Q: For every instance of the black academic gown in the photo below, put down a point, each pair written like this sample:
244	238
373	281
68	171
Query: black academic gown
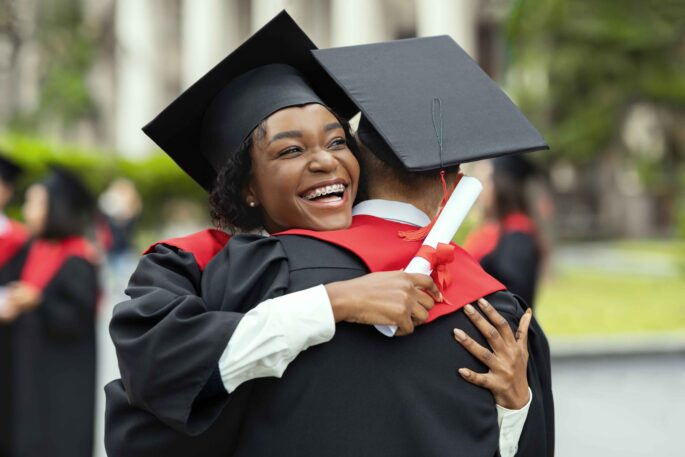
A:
359	394
53	364
515	262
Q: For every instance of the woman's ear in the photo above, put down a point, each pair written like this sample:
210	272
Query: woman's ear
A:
250	195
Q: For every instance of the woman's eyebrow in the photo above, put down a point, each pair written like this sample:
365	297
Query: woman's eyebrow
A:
332	126
286	134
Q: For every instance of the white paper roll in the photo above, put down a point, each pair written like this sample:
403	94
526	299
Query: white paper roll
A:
452	216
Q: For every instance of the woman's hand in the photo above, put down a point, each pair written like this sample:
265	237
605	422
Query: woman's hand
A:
20	297
387	298
508	360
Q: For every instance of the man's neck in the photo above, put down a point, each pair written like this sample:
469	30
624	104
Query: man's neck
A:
422	199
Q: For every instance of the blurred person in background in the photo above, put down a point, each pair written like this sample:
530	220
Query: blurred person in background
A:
120	205
52	291
12	236
508	245
12	233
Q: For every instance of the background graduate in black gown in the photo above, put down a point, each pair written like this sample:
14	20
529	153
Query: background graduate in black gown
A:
52	294
12	236
508	245
216	413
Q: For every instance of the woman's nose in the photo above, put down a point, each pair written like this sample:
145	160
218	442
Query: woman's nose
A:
322	161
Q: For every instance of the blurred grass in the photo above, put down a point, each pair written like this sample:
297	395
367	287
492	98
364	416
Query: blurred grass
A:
585	301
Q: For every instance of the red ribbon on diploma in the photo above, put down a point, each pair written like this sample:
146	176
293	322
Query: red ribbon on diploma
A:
438	258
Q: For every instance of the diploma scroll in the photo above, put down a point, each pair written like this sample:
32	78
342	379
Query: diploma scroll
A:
457	207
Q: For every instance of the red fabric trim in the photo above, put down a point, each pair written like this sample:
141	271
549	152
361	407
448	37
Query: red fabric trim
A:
485	239
12	240
377	243
518	222
45	258
204	245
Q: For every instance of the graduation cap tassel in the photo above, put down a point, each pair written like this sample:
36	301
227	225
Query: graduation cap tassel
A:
421	233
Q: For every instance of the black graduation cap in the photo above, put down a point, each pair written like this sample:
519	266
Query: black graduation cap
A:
65	185
428	103
272	70
515	166
9	170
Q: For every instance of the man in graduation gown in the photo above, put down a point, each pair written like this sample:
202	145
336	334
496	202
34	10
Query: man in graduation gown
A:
358	394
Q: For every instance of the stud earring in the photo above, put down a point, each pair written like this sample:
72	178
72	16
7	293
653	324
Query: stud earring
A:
252	204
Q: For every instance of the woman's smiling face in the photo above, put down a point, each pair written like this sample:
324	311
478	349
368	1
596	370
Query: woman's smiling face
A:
304	175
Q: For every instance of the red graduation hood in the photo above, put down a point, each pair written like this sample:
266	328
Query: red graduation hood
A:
45	258
377	243
204	245
11	241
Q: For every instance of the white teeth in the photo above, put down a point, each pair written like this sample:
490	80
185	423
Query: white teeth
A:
325	190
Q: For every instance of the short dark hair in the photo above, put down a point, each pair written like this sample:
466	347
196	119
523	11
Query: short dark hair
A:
376	165
228	207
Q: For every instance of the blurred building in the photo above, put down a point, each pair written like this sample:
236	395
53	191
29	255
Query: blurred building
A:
148	51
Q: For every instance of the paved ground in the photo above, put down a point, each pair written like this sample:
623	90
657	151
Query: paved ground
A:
620	405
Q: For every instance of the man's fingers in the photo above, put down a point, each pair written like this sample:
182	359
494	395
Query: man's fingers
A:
478	379
524	324
478	351
426	283
497	320
489	332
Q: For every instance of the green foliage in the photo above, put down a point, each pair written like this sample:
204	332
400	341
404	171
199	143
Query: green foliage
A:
577	64
157	178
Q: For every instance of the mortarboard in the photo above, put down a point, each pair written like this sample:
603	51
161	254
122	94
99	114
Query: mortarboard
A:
425	101
272	70
68	187
9	170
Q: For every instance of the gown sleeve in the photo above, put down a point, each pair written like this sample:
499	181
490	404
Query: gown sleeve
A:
134	432
70	301
537	437
170	334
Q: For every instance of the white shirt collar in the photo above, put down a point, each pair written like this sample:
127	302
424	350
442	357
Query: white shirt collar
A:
395	211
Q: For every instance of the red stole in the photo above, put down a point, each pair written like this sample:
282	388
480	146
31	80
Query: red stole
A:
484	240
45	258
376	242
11	241
204	245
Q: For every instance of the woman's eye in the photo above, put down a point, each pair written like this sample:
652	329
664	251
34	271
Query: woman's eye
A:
289	151
337	143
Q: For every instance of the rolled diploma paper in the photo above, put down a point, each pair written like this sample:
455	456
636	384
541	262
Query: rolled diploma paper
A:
457	207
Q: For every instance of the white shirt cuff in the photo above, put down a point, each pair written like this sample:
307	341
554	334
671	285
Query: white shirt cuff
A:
273	333
511	422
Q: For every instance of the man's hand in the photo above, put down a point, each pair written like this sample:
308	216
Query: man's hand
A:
508	359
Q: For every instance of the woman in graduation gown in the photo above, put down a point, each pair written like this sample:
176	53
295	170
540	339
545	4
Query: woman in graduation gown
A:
52	291
508	245
169	369
12	236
